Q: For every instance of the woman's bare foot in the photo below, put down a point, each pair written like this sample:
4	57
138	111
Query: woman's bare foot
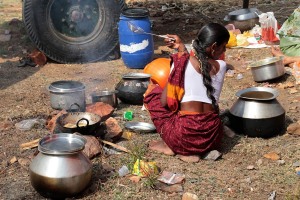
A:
276	51
161	147
191	159
287	60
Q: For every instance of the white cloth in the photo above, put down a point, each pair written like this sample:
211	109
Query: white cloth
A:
194	89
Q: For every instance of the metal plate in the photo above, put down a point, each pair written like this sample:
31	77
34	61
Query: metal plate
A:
63	143
141	127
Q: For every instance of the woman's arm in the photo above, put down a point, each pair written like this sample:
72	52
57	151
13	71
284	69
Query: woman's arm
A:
163	98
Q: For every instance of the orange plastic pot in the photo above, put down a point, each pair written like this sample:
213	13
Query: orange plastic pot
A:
159	69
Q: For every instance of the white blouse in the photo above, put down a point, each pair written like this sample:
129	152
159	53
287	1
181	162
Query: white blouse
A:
194	89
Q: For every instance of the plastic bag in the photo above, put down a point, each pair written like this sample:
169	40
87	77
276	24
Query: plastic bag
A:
269	27
144	169
28	124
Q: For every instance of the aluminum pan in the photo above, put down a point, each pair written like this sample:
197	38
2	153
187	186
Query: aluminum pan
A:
142	127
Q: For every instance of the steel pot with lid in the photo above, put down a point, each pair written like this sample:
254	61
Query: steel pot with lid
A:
64	94
60	169
243	19
267	69
257	113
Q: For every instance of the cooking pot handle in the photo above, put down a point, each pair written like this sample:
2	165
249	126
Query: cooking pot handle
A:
83	119
75	110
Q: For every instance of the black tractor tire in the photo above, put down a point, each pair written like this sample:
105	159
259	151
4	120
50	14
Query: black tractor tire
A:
74	31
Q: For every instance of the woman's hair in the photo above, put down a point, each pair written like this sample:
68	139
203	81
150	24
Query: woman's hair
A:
207	36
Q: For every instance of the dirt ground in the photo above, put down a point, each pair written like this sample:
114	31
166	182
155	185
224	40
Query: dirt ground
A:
242	173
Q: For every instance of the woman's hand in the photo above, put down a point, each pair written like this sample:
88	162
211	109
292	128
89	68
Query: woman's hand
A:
174	42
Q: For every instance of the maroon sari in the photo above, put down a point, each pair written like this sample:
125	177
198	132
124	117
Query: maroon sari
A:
185	133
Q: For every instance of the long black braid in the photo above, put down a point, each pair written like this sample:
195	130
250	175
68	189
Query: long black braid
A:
209	34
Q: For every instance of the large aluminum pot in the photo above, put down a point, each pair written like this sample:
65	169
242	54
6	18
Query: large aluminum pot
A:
65	94
267	69
257	113
60	169
244	19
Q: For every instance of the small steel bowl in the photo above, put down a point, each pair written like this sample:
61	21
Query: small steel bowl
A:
106	96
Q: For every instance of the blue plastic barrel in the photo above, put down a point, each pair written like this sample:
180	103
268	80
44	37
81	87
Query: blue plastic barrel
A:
136	48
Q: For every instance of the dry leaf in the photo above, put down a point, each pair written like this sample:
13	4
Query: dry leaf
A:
189	196
289	85
293	91
13	160
135	179
272	156
294	129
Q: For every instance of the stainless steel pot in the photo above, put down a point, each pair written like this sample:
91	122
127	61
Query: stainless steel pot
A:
106	96
267	69
257	113
60	169
64	94
243	19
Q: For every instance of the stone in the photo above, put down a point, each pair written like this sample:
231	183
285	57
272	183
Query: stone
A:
168	188
104	110
5	37
51	124
113	129
213	155
92	147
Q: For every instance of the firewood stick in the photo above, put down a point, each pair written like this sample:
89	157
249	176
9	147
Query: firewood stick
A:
116	146
30	145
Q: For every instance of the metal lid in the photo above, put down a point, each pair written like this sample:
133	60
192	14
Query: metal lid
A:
136	76
267	61
242	14
258	93
62	143
66	86
136	12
